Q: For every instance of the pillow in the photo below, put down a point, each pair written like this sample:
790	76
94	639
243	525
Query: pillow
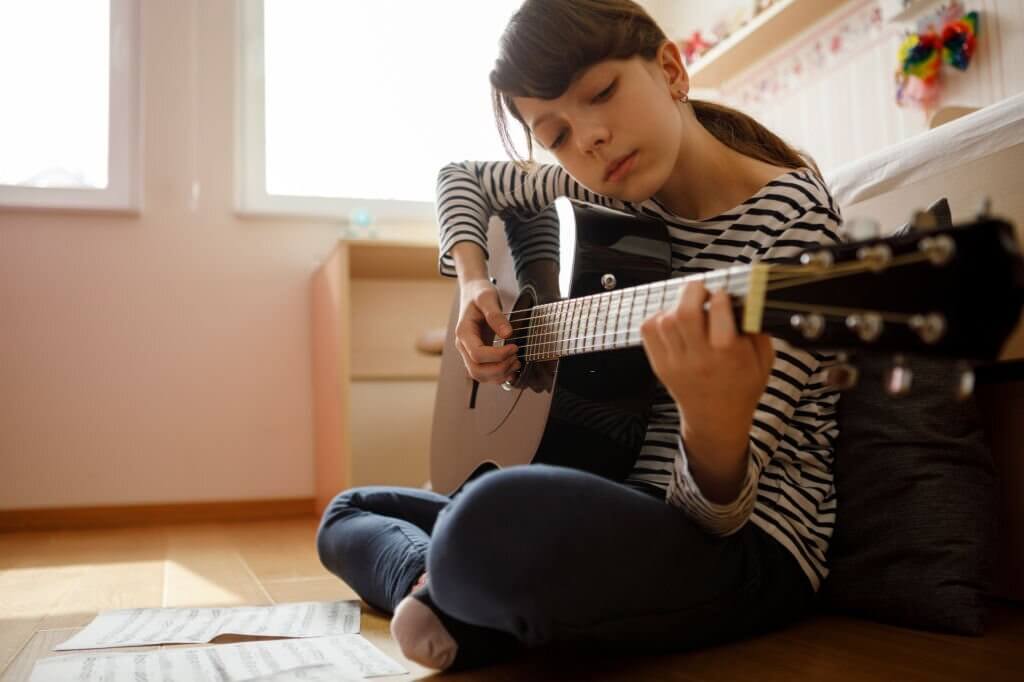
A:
917	501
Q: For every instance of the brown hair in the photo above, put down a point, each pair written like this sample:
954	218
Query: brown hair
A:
549	43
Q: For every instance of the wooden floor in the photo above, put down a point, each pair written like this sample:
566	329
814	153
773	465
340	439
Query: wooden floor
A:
54	583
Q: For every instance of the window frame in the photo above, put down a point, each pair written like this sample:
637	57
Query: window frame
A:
124	163
251	197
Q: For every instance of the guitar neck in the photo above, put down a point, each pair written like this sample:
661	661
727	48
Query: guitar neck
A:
611	320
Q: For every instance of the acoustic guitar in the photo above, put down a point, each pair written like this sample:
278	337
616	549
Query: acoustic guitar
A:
583	394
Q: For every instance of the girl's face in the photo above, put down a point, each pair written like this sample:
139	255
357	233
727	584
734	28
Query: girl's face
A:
616	110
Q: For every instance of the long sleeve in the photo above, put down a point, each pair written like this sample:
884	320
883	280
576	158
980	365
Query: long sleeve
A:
795	416
469	193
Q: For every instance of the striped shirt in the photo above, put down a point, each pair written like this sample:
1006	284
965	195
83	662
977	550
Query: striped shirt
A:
788	490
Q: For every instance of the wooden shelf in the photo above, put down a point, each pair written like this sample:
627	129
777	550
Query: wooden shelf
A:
763	34
385	259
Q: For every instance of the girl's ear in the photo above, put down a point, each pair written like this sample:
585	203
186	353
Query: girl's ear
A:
670	59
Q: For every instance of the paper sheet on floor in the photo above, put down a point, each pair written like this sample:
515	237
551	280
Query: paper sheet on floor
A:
352	657
327	672
140	627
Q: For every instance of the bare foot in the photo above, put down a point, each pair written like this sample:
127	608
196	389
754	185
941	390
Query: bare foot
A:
419	583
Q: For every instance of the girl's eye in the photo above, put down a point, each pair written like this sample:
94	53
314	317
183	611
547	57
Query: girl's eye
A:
604	93
601	96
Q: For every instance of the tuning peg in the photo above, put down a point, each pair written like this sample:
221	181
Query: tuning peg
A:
861	229
876	256
965	385
899	377
929	327
841	375
939	249
810	325
867	326
819	257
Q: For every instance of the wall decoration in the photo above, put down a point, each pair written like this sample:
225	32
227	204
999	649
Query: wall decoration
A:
947	36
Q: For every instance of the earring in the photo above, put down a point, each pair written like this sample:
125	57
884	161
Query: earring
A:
683	97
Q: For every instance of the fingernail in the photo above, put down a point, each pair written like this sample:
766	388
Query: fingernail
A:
506	329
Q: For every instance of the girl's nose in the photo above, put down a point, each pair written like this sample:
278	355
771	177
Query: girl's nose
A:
593	138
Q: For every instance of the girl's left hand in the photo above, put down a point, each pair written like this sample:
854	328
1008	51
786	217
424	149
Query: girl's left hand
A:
715	374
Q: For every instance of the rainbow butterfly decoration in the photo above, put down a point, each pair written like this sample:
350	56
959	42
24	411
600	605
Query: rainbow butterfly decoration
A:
921	56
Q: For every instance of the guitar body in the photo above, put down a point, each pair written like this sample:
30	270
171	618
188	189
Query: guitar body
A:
587	411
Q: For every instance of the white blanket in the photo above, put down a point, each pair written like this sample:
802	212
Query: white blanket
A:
986	131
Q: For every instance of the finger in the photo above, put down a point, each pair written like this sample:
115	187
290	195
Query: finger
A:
687	330
483	353
496	373
490	306
721	325
690	318
765	352
474	347
653	343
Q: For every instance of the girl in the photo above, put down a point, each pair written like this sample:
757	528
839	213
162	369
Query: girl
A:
722	528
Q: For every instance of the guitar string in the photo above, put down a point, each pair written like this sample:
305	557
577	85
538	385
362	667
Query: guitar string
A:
785	276
596	342
647	310
850	268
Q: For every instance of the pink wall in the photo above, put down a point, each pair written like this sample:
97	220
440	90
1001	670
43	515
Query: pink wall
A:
163	357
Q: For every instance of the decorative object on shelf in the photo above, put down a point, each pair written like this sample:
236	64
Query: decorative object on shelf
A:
693	47
947	36
728	24
361	224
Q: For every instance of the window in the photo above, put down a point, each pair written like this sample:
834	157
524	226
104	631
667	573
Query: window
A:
68	126
355	106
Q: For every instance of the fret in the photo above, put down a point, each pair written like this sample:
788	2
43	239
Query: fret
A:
591	322
607	338
616	300
563	329
574	321
553	330
584	334
529	348
549	337
605	317
599	324
556	312
542	329
650	307
577	320
629	313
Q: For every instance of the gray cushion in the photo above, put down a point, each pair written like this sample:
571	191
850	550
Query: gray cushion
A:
915	534
917	503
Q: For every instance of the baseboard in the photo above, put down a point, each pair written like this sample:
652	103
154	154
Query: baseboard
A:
152	514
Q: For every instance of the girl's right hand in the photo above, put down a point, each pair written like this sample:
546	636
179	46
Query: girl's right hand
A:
480	318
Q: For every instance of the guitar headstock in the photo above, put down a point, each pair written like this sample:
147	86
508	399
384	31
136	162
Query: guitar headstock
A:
955	291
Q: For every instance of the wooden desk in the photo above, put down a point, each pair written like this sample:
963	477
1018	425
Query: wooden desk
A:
373	391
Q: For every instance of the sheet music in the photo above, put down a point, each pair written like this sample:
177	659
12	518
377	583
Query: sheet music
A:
352	657
140	627
328	672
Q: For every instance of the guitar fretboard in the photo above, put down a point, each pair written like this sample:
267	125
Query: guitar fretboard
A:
608	320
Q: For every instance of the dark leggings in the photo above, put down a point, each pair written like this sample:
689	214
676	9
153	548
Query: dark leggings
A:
550	554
